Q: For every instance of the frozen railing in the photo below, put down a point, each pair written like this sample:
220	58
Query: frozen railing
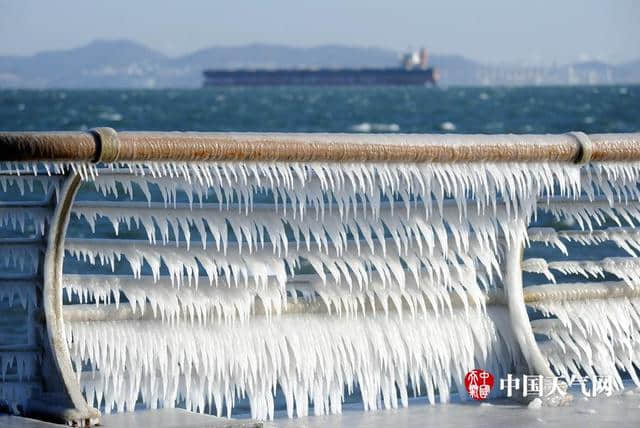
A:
201	270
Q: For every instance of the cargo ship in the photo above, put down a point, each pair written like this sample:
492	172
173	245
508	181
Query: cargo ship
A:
413	70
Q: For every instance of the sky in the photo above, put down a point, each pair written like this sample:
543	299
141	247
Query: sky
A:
491	31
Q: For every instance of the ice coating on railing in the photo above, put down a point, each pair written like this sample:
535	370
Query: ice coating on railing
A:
625	268
21	257
403	255
592	214
22	363
351	269
31	184
230	269
17	394
264	225
311	358
18	218
18	370
547	235
627	238
350	184
595	338
392	240
205	305
18	290
169	303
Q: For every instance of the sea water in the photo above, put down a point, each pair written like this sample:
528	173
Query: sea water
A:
329	109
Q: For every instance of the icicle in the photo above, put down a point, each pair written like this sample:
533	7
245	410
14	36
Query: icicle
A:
318	351
203	305
594	338
404	257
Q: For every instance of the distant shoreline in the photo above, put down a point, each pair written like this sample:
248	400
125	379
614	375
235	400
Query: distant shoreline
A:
126	64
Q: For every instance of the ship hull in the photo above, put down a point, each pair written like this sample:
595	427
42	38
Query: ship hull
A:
338	77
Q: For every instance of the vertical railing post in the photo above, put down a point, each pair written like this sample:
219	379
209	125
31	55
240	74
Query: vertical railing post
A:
67	403
553	392
513	288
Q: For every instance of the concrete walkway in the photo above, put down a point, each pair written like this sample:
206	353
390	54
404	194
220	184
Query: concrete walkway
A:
162	418
620	410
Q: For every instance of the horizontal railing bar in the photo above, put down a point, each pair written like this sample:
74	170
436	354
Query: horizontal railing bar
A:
255	206
545	325
191	146
579	291
108	243
125	312
18	276
543	203
14	243
29	173
25	204
22	240
601	234
532	295
33	382
298	279
19	348
24	282
40	244
136	209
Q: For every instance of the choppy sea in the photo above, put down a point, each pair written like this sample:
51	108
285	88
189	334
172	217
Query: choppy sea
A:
329	109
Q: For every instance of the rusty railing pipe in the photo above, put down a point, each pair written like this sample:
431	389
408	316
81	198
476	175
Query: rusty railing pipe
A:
104	144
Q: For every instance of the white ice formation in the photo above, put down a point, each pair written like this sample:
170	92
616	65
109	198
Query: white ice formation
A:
595	338
317	280
311	358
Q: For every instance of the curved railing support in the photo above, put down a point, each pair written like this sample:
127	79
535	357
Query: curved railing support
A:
514	293
72	407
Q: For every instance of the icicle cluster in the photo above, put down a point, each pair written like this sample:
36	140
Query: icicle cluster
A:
22	363
311	358
594	329
594	338
20	290
172	304
18	218
625	268
23	257
403	257
351	184
17	394
44	184
26	195
386	242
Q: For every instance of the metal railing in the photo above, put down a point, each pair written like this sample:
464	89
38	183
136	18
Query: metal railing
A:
299	238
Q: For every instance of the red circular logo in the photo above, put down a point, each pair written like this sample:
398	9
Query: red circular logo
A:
478	383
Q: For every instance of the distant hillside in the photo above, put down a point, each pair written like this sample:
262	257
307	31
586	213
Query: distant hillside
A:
127	64
260	55
100	63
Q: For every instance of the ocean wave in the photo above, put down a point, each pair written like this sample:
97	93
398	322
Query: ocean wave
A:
114	117
375	127
447	126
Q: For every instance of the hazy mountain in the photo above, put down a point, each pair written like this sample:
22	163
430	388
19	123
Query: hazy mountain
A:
261	55
123	63
100	63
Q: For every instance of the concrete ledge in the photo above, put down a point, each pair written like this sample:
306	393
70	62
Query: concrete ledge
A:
172	418
9	421
161	418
